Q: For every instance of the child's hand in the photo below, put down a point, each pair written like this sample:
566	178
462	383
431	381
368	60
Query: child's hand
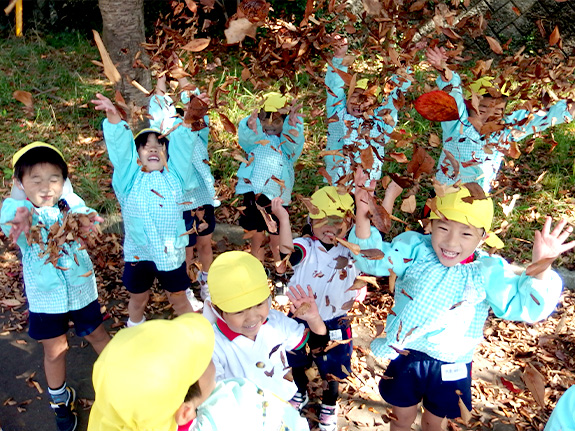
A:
362	194
294	116
437	58
253	121
20	223
548	245
94	219
102	103
204	98
339	44
303	304
278	209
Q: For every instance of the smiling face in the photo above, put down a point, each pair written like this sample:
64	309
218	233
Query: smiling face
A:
354	106
150	153
43	184
453	241
328	229
249	321
272	123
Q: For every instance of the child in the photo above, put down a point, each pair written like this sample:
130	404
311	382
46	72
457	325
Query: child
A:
150	196
252	340
199	208
327	266
349	131
562	418
58	291
273	140
479	156
444	289
158	376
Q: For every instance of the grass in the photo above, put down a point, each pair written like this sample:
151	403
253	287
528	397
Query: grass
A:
63	117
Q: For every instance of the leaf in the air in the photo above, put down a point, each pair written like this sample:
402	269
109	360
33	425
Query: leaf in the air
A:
437	106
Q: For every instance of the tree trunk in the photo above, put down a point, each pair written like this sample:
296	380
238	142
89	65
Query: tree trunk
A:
123	24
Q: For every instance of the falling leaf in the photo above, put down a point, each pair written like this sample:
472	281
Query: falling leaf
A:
270	222
421	162
87	274
392	279
274	349
555	36
494	45
196	45
372	254
24	97
269	373
109	68
465	413
437	106
341	262
354	248
228	125
539	267
535	383
260	364
238	29
409	204
288	376
348	305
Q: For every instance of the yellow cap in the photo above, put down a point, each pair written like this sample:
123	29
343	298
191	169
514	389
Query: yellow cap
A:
144	373
148	130
273	102
478	213
28	147
237	280
330	203
362	83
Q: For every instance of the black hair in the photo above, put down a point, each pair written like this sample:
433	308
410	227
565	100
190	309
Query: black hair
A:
193	392
142	139
36	156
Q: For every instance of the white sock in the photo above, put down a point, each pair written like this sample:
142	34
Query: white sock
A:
132	323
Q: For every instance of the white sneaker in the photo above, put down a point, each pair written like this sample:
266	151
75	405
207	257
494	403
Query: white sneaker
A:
204	291
328	418
196	304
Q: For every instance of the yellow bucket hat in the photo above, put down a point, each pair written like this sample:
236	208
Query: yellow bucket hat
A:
144	373
273	102
237	280
330	203
28	147
479	212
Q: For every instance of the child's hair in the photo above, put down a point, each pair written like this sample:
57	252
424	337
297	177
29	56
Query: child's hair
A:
195	391
237	281
141	138
34	154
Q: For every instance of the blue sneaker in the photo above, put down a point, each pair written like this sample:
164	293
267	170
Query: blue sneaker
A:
66	416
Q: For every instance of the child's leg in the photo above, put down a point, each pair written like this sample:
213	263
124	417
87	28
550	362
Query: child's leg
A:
430	422
175	283
55	360
137	306
257	249
180	302
189	259
405	418
205	251
98	339
275	248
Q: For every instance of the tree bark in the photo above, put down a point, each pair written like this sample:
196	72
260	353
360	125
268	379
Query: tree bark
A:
123	34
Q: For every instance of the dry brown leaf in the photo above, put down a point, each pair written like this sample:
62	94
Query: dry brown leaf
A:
109	68
535	383
354	248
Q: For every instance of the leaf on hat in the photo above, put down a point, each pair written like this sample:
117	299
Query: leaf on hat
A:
475	193
437	106
308	204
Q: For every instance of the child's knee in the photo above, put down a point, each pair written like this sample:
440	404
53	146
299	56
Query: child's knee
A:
55	349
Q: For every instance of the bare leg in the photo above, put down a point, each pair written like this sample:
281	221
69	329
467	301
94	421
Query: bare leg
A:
180	302
137	305
205	251
258	251
430	422
98	339
189	260
55	360
405	418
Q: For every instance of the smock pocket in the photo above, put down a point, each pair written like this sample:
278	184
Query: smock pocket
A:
135	231
182	240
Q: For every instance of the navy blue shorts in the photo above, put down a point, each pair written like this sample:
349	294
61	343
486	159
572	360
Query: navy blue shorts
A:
43	326
417	377
251	217
197	216
335	358
139	277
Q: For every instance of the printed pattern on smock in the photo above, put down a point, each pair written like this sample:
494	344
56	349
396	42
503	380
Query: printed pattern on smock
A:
48	289
164	117
462	140
330	273
344	129
152	201
269	156
441	310
240	404
238	356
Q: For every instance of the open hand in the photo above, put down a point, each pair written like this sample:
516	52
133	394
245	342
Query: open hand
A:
278	209
303	304
102	103
253	121
20	223
549	244
437	57
295	117
340	45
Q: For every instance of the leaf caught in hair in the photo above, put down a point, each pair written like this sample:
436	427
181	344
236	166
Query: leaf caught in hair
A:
437	106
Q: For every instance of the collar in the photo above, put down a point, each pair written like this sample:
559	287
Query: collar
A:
468	260
225	329
328	247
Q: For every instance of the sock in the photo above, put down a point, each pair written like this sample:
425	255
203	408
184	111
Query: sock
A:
203	277
60	395
131	323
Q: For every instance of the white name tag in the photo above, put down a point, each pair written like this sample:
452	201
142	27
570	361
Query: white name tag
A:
335	334
453	372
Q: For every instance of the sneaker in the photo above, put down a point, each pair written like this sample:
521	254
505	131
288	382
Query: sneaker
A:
299	401
66	416
196	304
328	418
204	291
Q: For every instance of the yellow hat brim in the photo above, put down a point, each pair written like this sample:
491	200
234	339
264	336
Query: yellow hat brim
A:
18	155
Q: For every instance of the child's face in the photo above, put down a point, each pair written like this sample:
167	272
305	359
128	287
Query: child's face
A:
327	229
354	103
453	241
272	123
43	184
249	321
150	154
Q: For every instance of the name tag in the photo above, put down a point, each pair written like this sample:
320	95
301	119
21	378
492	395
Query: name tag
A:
335	334
453	372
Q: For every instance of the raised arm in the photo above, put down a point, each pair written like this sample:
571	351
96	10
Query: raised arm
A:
102	103
336	97
285	234
548	245
362	196
292	133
